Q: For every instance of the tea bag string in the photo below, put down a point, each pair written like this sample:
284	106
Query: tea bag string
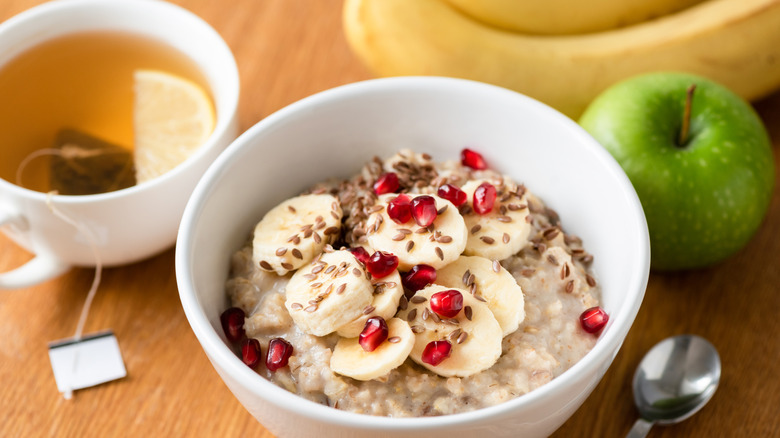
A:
87	233
26	161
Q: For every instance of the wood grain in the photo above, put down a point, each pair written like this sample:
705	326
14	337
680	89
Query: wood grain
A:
286	50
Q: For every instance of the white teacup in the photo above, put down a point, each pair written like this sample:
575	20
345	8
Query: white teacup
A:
136	222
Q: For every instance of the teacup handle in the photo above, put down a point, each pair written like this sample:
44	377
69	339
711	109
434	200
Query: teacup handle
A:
37	270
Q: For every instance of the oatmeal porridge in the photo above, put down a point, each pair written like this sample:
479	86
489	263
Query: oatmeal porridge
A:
414	288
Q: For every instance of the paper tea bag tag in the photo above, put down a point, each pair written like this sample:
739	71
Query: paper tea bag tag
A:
87	362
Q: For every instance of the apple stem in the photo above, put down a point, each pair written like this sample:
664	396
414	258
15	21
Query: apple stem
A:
686	122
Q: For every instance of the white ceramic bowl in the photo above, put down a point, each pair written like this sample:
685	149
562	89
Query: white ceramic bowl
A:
332	134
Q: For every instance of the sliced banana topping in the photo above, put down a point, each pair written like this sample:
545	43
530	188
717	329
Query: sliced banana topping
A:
350	359
436	245
294	232
487	280
387	294
474	334
503	231
328	293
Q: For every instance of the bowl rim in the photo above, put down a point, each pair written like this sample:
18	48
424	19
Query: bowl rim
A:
608	344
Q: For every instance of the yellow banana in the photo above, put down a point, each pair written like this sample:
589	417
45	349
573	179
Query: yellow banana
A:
735	42
560	17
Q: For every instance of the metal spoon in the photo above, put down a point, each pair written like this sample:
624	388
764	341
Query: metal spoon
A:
676	378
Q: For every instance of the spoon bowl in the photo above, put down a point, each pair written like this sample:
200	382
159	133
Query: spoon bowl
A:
675	379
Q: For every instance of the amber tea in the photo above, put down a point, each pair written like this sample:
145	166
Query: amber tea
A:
77	90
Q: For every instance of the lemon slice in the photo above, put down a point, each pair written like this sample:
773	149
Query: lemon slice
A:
172	117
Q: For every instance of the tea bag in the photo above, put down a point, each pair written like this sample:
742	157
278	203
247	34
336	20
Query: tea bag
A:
87	165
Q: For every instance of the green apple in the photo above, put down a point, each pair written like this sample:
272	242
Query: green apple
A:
705	191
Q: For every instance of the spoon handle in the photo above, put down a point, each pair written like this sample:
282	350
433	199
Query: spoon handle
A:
640	429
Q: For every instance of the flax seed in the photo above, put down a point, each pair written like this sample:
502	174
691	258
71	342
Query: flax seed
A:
417	299
465	279
527	272
287	266
265	265
487	239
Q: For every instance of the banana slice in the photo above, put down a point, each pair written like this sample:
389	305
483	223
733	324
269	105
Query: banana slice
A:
328	293
502	232
295	231
437	245
349	358
387	295
490	281
474	333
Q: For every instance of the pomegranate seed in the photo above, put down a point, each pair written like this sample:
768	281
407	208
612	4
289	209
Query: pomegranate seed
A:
279	351
424	210
360	254
594	319
472	159
400	209
250	352
484	198
386	183
373	334
418	277
436	351
233	323
447	303
453	194
381	264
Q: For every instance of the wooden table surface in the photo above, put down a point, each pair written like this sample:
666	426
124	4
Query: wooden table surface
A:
286	50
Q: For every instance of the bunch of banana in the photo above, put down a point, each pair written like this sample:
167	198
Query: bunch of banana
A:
734	42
